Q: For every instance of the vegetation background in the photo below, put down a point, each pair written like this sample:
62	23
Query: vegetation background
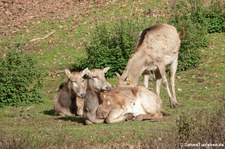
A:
39	39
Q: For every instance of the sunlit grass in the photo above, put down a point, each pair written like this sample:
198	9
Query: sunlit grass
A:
201	88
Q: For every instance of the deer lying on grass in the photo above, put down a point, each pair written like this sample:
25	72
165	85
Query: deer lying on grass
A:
157	48
96	83
118	104
123	103
68	99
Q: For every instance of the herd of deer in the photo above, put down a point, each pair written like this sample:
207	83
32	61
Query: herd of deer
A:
98	102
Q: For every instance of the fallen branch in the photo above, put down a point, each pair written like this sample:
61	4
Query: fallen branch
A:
41	38
55	73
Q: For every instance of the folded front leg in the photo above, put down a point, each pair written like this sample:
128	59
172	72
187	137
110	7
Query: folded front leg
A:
116	115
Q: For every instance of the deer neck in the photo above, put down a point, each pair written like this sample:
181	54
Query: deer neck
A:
135	67
92	97
92	90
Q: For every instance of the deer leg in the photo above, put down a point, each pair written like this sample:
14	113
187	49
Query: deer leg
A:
146	78
173	69
91	118
158	84
162	70
116	115
148	116
97	120
87	122
158	80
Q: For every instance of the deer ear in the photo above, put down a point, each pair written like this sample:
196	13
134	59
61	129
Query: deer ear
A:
89	74
68	73
105	69
118	75
84	72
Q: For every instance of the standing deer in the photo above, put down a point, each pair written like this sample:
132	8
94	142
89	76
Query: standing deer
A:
158	47
96	83
67	101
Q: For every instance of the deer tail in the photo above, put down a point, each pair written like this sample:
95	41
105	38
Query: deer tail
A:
182	33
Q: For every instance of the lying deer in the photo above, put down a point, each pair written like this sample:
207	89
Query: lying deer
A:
123	103
96	83
68	99
118	104
158	47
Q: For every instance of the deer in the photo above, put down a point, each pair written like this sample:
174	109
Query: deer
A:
158	47
96	84
129	103
69	98
103	103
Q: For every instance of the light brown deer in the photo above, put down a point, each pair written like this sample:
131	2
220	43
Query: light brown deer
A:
122	103
158	47
68	98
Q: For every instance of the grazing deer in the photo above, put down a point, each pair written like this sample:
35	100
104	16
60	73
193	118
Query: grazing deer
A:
123	103
158	46
67	101
96	83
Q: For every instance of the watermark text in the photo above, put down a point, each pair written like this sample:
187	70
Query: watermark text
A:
203	145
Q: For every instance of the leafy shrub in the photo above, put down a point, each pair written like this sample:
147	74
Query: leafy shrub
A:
20	79
111	46
215	16
197	20
191	18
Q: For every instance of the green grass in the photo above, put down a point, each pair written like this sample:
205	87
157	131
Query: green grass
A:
201	88
38	125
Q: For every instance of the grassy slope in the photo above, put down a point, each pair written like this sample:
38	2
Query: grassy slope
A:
199	89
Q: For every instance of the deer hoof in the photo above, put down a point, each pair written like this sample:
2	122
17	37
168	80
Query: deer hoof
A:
138	118
174	105
129	116
87	122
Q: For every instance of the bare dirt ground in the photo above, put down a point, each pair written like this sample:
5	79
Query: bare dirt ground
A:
14	14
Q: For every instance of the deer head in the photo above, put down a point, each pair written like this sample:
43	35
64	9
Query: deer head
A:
76	81
97	81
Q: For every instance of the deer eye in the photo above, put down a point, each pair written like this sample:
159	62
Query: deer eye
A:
94	76
73	81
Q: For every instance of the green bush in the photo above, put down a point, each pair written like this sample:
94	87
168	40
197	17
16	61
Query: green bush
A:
215	16
191	18
111	46
197	20
20	79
